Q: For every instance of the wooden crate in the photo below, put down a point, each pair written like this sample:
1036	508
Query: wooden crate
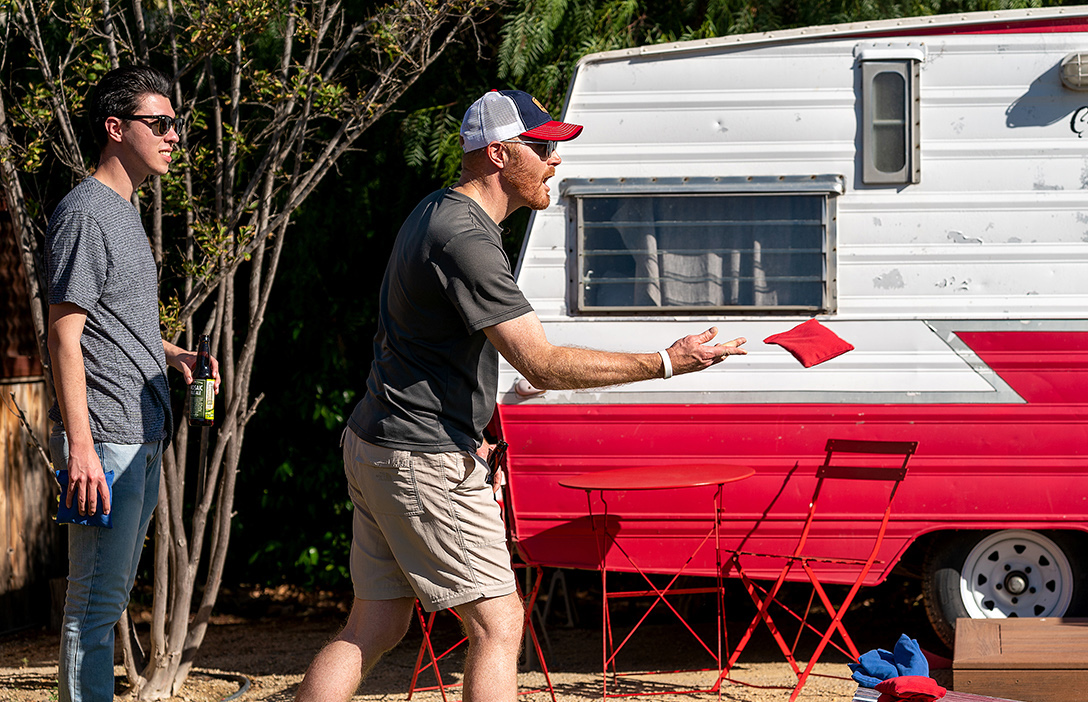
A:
1034	660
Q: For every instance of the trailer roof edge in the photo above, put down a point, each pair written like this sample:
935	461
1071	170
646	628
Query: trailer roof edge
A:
964	22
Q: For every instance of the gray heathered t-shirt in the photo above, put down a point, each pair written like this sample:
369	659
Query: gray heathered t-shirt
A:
98	257
433	381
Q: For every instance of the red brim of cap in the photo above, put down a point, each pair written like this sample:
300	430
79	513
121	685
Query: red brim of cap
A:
554	131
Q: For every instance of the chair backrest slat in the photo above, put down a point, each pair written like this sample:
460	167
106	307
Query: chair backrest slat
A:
851	451
846	448
861	472
882	447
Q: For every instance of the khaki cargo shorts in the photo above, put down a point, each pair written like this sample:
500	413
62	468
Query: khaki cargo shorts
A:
426	525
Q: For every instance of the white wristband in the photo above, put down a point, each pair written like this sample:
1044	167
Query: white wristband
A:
667	362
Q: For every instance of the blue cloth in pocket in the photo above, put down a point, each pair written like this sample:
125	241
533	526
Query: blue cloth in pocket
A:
71	515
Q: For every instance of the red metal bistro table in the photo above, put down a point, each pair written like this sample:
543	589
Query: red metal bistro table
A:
657	477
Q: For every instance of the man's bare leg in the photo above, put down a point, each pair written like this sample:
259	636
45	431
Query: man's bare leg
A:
494	629
373	627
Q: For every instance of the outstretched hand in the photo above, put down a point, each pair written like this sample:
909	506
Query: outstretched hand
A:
695	352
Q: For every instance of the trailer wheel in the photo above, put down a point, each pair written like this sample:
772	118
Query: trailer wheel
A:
1011	573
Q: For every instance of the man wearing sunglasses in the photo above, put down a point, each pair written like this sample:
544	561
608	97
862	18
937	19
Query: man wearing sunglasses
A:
112	412
426	524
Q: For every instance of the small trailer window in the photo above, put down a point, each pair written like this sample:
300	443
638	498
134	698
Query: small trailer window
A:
890	144
700	245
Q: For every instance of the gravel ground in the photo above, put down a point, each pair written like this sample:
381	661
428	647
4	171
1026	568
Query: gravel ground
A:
269	638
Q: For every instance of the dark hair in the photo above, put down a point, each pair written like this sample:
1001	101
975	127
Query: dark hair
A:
120	92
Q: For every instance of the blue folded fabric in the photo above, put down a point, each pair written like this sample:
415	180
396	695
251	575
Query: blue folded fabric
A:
71	515
878	665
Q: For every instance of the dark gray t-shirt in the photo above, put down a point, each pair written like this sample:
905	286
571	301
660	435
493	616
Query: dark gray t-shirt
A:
433	381
98	257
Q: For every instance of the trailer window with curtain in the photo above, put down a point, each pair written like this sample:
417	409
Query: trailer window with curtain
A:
699	245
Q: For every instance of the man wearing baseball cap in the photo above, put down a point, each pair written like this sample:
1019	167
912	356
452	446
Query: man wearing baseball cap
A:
426	524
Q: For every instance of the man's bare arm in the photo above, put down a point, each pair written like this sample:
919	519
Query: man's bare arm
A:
86	481
523	343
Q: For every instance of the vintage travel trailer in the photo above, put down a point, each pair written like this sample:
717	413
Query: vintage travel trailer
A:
918	186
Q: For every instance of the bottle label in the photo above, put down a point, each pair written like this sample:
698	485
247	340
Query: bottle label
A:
202	400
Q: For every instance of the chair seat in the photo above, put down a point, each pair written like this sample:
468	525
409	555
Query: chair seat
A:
815	559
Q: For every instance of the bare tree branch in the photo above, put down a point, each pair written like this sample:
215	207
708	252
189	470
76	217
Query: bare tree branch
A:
26	16
21	416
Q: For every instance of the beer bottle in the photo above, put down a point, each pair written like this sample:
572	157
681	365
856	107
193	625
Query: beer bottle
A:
202	390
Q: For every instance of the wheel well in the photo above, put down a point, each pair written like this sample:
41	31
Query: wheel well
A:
911	562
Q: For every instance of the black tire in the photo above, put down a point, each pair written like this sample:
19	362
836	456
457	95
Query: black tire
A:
999	574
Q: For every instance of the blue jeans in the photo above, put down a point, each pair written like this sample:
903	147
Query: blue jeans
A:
102	567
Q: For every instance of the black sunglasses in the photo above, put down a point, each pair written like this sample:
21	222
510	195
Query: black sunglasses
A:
543	149
161	125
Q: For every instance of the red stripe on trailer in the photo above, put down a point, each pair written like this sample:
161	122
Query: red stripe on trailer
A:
978	466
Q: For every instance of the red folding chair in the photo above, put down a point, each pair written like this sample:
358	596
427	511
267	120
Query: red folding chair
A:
841	463
426	648
534	573
426	623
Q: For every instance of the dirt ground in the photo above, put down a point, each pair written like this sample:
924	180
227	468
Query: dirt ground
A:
258	648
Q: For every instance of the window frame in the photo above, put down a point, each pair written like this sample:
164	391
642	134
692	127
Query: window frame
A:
906	63
577	190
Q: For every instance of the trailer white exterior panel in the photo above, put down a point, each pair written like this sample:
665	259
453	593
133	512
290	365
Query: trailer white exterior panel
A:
918	186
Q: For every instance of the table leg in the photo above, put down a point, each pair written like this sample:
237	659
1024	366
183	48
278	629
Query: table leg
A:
606	629
722	631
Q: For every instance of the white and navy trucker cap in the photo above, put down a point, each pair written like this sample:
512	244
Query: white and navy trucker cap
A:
504	114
